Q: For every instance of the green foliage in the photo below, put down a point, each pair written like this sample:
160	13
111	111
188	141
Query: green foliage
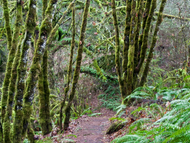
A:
110	99
173	126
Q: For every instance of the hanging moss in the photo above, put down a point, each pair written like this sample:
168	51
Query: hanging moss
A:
78	64
154	39
11	56
21	71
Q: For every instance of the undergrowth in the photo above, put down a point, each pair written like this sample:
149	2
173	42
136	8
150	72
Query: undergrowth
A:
111	98
170	124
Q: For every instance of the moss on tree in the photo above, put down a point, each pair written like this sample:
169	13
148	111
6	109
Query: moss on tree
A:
135	45
78	63
154	39
13	74
21	71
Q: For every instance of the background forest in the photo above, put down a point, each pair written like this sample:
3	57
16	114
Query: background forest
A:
126	60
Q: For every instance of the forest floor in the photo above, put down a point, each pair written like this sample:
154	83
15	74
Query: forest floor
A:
91	129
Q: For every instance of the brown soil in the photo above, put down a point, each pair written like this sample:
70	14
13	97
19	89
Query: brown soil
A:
91	129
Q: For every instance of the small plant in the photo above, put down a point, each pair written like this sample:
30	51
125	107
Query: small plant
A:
110	99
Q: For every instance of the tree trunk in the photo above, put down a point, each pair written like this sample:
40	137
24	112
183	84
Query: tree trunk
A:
78	63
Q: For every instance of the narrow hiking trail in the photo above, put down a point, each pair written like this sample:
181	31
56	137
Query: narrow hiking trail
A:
91	129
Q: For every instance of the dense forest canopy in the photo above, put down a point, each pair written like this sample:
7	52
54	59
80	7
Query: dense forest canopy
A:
55	55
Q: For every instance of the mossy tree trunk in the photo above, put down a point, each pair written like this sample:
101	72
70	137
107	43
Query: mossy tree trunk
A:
69	67
21	70
44	92
35	68
10	75
22	109
135	44
78	64
43	85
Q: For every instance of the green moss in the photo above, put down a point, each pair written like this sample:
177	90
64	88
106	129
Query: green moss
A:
145	33
30	134
117	49
45	2
69	68
78	64
43	85
11	92
44	93
154	39
35	67
130	69
21	71
7	23
11	56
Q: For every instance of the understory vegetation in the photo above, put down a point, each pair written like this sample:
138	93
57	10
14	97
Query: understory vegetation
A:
62	60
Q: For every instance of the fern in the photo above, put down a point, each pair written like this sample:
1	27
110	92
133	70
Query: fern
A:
173	127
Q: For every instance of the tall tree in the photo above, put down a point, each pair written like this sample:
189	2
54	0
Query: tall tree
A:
135	44
78	64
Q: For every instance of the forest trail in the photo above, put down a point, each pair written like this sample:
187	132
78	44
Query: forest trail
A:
91	129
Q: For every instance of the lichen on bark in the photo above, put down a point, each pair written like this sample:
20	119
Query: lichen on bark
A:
43	85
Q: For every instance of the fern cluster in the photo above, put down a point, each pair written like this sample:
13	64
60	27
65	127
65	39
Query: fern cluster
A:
173	126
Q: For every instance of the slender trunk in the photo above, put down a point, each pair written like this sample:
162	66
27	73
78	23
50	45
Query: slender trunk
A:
145	35
126	46
117	49
13	75
44	93
70	66
78	64
154	39
43	85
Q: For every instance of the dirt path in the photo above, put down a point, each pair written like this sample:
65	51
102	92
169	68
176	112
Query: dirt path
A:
92	129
